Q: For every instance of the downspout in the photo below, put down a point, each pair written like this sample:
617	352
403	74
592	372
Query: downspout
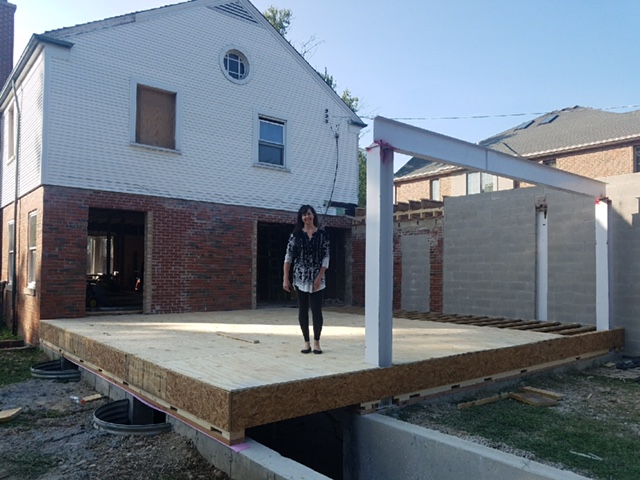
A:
14	280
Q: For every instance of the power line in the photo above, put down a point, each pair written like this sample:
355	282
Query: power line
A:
500	115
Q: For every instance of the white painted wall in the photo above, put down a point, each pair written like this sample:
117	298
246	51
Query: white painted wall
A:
30	98
89	109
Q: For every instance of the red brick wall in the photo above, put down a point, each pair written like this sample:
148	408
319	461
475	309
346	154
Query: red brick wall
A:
199	256
27	300
435	254
358	263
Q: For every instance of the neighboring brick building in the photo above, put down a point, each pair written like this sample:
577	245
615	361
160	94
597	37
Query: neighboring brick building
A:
589	142
162	156
7	14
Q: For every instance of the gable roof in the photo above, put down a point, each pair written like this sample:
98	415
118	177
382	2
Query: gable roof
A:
240	9
569	129
560	131
419	167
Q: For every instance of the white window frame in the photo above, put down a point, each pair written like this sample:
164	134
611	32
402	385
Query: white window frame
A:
32	239
240	52
11	252
482	180
275	118
133	96
435	195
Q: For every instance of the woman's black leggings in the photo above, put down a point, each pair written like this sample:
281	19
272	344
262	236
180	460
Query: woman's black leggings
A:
313	300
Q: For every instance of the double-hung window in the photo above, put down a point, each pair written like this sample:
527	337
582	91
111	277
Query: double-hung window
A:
156	117
31	260
480	182
271	146
12	251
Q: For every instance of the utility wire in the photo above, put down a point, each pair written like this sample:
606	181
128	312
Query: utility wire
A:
499	115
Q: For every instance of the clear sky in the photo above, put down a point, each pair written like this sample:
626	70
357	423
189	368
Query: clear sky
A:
420	61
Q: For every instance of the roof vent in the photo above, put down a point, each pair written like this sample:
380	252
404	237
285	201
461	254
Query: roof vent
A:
235	9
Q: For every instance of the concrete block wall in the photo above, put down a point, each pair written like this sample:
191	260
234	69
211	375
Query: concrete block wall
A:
624	221
572	286
490	255
416	266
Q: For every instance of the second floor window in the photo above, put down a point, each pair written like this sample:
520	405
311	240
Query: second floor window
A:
271	143
636	159
480	182
155	117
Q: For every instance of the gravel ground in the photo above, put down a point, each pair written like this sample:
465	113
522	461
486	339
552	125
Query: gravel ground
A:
54	438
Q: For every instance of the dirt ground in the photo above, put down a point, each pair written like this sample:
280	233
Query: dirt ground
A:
53	438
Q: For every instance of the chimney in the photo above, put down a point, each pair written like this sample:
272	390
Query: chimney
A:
7	13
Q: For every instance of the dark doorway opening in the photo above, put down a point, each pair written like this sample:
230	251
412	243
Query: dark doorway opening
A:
115	260
315	441
272	246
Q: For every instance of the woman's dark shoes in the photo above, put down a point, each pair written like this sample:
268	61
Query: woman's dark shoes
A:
307	350
317	352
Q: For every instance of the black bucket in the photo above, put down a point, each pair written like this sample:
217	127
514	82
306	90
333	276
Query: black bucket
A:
61	369
123	417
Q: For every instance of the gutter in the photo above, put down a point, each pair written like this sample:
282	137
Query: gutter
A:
14	280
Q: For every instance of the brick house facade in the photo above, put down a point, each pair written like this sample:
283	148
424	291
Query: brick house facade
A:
113	216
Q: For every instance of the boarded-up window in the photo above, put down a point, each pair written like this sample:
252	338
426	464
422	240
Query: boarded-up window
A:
156	117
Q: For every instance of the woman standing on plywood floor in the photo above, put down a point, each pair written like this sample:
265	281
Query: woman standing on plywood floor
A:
308	251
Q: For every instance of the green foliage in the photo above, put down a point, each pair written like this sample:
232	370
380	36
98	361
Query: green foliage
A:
596	436
279	18
15	365
362	178
6	334
350	100
329	79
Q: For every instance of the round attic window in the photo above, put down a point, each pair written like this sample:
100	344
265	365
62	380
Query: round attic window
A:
235	65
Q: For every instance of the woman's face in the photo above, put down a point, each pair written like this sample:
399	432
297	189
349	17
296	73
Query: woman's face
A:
307	217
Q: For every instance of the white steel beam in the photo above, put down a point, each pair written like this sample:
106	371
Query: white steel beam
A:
379	258
602	264
421	143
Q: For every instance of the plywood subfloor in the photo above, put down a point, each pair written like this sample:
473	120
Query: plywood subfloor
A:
233	370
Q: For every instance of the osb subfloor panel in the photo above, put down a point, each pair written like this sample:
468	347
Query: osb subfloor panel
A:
228	371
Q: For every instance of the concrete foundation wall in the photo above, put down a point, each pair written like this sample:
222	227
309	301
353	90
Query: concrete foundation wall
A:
624	241
490	255
380	447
